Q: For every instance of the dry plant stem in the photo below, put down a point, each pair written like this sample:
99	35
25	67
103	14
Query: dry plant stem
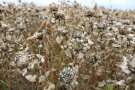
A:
35	36
47	42
42	26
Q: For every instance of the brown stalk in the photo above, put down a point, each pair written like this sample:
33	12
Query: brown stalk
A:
39	35
42	26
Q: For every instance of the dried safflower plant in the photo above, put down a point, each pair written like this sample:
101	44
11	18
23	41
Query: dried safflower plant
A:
53	7
33	40
60	15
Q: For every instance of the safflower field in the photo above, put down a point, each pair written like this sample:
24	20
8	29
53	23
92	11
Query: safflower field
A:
66	47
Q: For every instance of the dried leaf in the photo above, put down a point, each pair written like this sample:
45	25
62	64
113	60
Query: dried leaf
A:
23	59
80	55
101	84
41	79
90	42
121	82
59	39
50	86
68	53
116	45
41	57
24	71
31	78
83	76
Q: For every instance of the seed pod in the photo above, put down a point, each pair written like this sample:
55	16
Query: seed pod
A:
90	13
60	15
53	7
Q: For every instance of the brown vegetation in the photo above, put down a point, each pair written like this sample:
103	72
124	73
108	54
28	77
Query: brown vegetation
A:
41	46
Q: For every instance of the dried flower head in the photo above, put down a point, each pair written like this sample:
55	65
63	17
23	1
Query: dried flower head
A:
53	7
67	75
90	13
59	15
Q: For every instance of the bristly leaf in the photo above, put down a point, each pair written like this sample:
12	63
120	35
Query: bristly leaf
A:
5	86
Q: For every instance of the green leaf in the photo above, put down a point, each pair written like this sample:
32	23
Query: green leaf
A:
62	64
5	86
109	87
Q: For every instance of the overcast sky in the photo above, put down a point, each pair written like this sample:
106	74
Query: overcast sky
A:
119	4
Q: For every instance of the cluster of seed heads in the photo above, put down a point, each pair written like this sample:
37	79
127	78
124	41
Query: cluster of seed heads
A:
67	75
